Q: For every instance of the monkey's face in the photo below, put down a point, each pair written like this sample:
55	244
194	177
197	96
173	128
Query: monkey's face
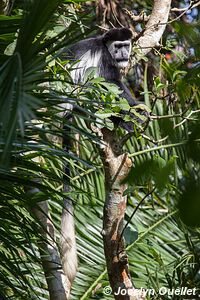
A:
120	52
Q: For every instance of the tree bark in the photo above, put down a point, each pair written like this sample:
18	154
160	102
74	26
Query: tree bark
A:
154	28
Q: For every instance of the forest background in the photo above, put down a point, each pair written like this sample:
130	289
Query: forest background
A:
163	204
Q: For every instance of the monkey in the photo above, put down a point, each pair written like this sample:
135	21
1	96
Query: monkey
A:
109	54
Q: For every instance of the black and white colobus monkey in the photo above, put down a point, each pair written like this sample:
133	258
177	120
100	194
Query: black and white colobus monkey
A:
109	53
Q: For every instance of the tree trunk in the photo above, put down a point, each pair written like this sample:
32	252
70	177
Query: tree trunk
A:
117	166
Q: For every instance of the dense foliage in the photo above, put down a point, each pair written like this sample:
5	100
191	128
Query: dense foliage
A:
162	230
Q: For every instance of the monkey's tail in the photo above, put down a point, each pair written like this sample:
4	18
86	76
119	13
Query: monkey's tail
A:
68	241
68	237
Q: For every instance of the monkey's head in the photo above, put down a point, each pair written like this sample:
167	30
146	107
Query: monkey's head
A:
118	43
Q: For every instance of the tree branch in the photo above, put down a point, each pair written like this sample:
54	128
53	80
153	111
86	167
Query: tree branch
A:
185	9
154	28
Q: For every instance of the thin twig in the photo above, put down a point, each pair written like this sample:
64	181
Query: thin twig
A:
186	8
152	140
142	17
187	118
191	6
181	115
